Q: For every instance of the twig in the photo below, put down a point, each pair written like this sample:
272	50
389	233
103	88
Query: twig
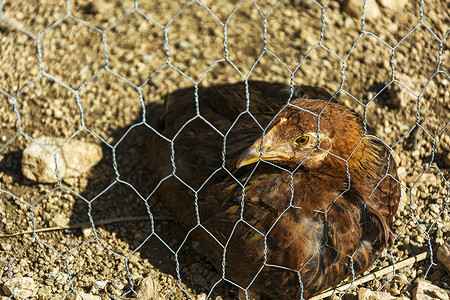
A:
342	288
371	276
87	224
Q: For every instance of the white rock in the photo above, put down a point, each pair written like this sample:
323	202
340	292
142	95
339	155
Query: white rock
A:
393	4
355	8
427	291
443	254
74	159
99	285
23	287
401	172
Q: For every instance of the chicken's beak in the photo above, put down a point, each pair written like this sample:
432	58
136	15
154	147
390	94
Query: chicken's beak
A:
252	154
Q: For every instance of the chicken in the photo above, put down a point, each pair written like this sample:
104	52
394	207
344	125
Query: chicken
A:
285	189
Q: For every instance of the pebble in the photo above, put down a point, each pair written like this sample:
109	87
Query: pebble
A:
99	285
355	8
147	288
74	159
72	243
147	58
424	290
87	232
201	296
83	296
435	208
117	284
349	23
5	246
400	97
366	294
443	254
184	44
60	220
393	4
24	287
387	130
401	172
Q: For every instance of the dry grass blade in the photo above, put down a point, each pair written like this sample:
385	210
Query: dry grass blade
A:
85	225
388	270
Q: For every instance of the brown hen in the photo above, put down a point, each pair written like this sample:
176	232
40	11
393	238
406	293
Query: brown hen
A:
284	212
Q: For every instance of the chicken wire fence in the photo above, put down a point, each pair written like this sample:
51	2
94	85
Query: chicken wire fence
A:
91	70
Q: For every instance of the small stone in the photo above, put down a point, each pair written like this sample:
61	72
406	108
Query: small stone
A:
99	285
393	4
183	44
23	287
334	4
355	9
5	246
72	243
87	232
201	296
435	208
349	23
117	284
147	58
84	296
428	178
60	220
366	294
399	96
147	287
392	27
401	172
57	276
74	159
424	290
443	254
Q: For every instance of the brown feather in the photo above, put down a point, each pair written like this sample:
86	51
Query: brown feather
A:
311	213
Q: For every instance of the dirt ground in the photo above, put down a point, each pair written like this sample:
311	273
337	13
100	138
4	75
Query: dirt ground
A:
95	69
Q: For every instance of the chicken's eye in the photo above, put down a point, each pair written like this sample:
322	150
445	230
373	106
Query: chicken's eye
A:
301	140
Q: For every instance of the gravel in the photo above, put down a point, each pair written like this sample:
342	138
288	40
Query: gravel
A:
55	81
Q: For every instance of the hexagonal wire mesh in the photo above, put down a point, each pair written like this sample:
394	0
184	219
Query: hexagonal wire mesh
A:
97	71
